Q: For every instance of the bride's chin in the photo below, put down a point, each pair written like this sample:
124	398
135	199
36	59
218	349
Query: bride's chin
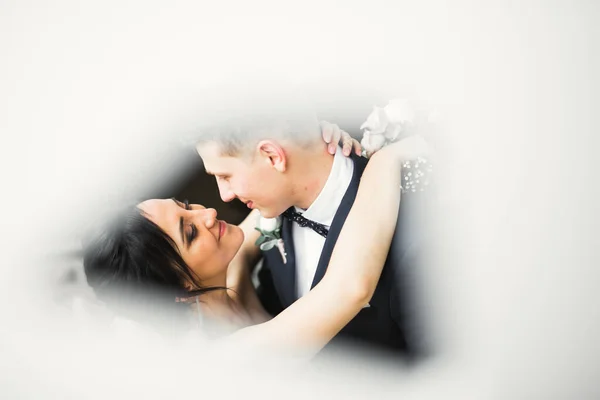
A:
237	232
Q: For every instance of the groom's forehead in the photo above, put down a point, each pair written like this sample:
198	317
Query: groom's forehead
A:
221	150
216	161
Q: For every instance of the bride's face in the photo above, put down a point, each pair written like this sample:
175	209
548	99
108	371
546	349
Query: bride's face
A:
206	244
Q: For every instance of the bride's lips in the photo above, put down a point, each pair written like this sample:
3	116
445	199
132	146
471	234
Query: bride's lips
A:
250	205
222	229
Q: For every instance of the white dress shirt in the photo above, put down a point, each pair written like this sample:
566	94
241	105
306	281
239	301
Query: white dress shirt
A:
308	244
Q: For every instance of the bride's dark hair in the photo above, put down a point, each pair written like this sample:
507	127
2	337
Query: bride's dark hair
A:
130	261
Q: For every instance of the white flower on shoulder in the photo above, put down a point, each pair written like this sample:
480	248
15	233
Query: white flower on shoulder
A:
384	125
399	121
376	122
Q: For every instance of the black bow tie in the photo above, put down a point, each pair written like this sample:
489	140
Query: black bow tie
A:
304	222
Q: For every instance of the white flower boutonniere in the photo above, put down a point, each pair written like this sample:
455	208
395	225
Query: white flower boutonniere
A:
270	235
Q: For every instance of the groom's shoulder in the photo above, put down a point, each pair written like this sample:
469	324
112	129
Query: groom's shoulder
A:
360	163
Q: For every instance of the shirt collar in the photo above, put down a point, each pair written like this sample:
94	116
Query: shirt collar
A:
323	209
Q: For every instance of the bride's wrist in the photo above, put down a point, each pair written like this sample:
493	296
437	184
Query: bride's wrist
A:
391	155
409	149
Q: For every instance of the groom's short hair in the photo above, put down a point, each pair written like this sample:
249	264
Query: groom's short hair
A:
237	123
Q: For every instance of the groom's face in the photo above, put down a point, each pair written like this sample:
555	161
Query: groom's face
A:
251	179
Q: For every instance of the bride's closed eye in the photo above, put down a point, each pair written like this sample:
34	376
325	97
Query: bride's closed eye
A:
191	235
193	232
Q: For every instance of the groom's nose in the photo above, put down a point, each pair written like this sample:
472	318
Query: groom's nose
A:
225	191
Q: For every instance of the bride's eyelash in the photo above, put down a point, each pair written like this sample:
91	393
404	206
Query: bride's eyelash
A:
192	235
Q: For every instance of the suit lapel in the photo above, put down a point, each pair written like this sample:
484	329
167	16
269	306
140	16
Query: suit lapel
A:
287	272
339	219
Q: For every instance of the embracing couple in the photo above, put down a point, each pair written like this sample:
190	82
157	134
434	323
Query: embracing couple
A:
340	240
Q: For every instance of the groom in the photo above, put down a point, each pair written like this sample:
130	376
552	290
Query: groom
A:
276	162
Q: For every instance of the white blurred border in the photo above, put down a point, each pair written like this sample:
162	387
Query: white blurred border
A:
90	92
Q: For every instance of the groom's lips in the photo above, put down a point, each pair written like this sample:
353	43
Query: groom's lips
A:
250	205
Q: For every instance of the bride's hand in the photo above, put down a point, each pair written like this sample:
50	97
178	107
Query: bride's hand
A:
332	134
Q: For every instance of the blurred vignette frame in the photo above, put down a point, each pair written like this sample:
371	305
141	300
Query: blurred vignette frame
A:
223	112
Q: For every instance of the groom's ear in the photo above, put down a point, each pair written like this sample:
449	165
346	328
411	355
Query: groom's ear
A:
273	154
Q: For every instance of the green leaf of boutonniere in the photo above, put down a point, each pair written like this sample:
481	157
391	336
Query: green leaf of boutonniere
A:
268	245
260	240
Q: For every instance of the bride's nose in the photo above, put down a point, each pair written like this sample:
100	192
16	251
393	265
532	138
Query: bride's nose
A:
208	216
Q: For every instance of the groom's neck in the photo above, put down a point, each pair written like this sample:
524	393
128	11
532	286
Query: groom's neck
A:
312	169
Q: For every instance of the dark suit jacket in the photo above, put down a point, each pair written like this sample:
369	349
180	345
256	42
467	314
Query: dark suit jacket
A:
392	322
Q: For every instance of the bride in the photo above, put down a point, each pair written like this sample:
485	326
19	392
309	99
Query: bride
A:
183	253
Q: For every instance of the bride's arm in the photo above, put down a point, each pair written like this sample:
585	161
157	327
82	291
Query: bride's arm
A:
355	266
